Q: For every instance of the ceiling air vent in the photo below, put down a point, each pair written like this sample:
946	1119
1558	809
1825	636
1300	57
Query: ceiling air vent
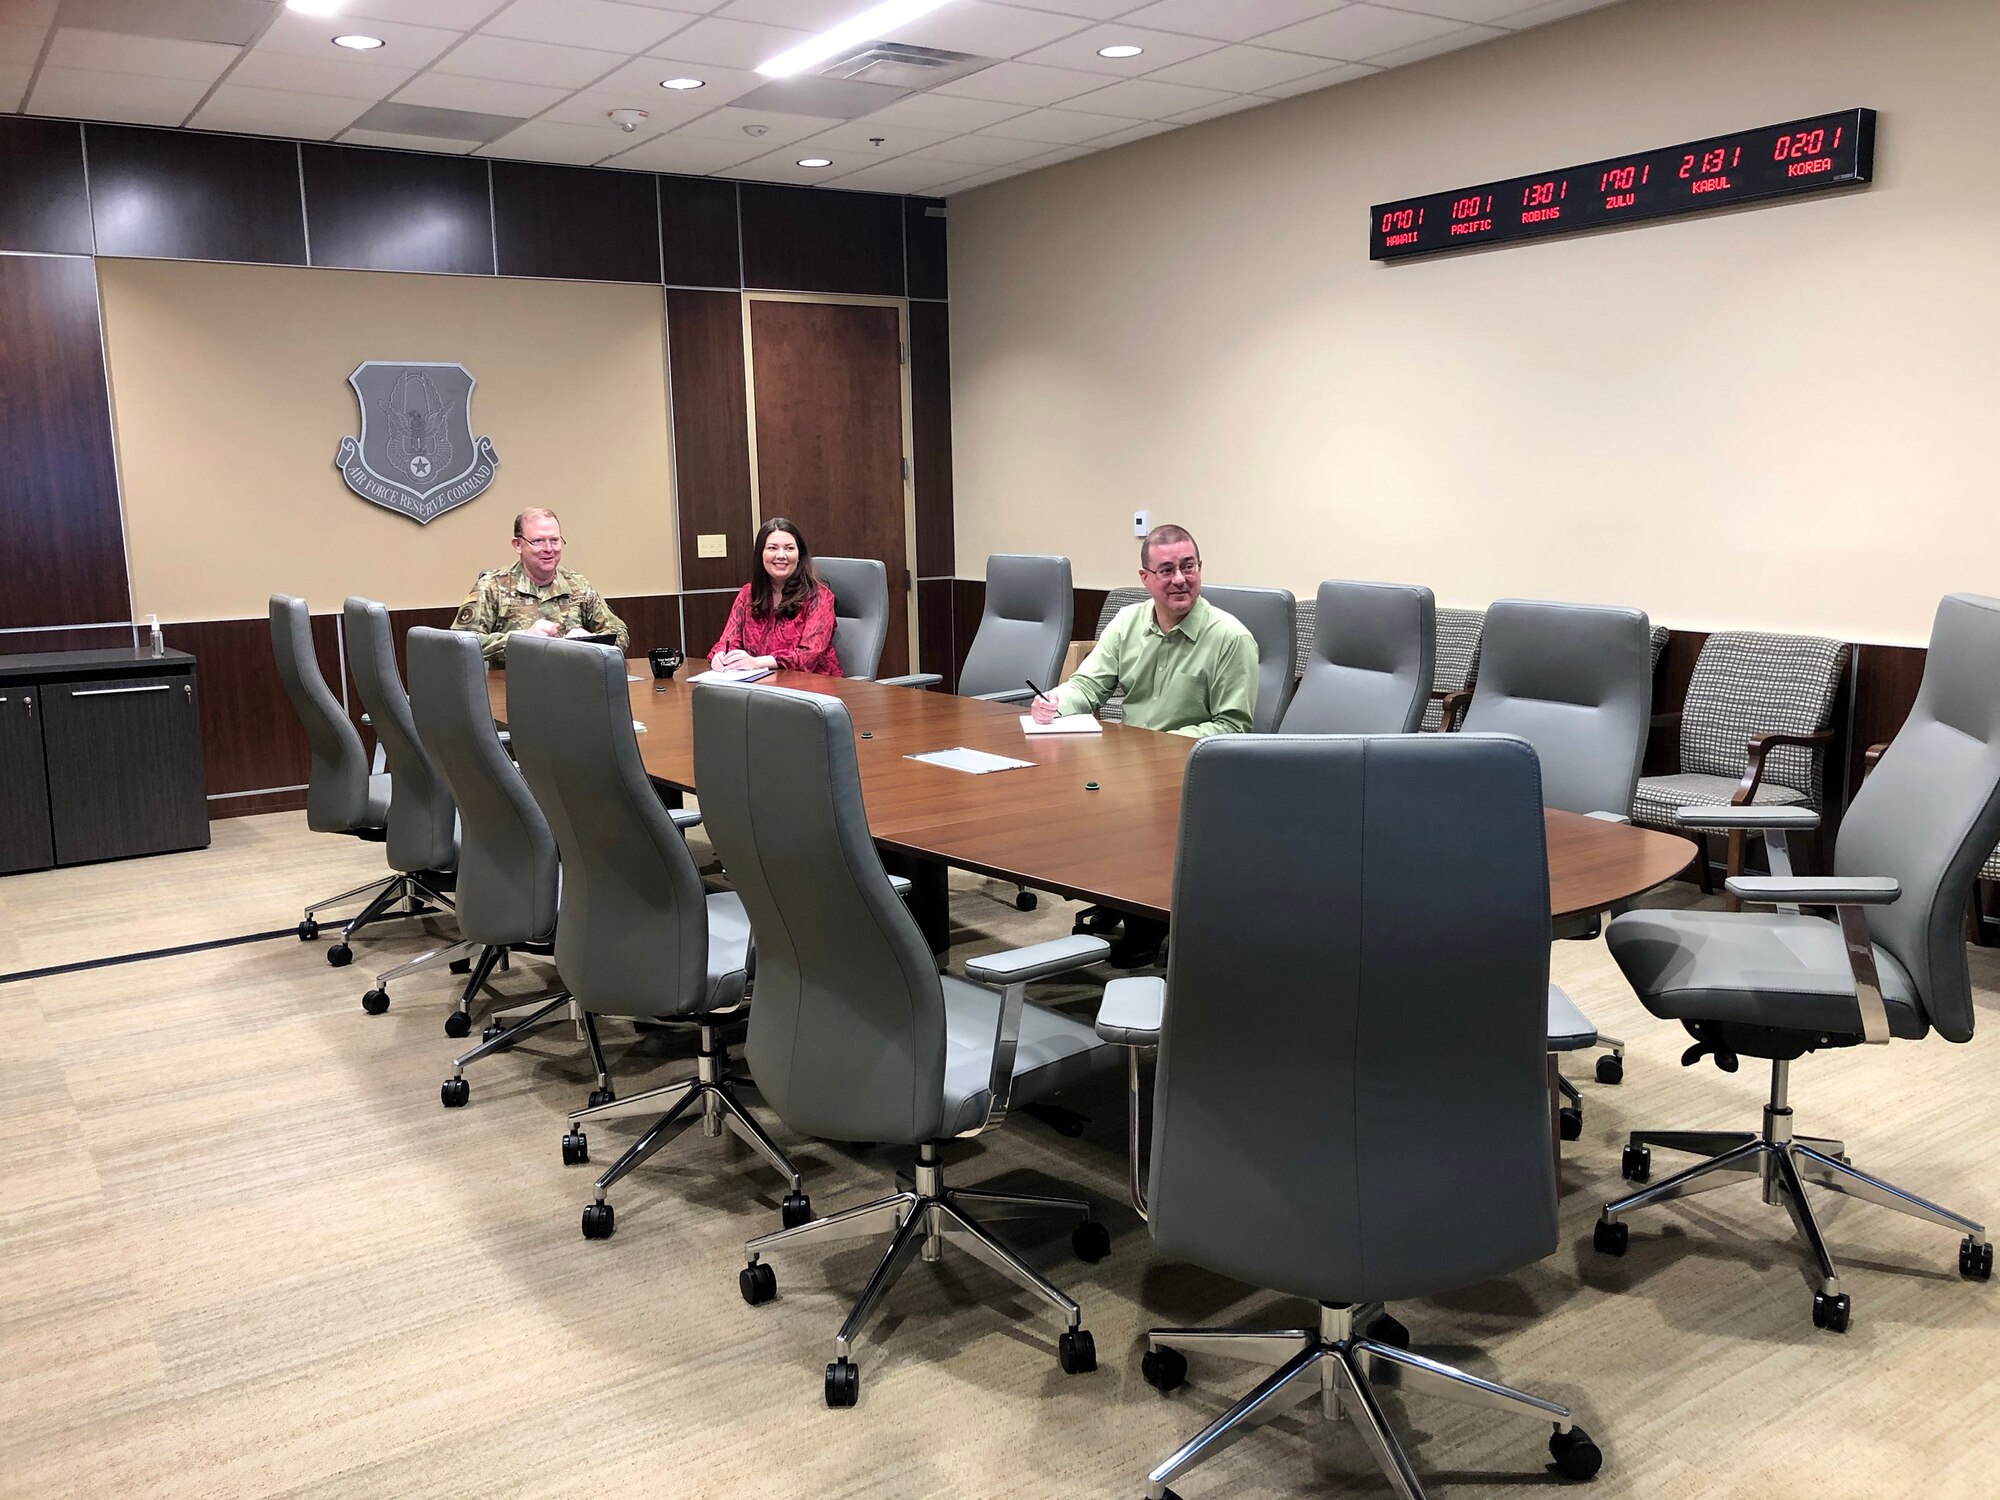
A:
903	67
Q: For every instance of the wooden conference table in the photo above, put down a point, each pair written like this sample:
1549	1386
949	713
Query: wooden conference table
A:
1040	826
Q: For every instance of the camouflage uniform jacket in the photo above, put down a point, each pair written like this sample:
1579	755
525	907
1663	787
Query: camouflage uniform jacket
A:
506	599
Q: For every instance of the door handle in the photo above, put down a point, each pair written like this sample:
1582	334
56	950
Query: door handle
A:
159	687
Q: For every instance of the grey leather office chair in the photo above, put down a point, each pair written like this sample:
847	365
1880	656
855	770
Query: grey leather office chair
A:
1373	655
1023	631
1780	985
507	870
342	795
854	1035
636	936
861	609
1374	1127
1576	682
1268	614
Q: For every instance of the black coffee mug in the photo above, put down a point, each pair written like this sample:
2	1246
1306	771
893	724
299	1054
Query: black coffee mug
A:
666	661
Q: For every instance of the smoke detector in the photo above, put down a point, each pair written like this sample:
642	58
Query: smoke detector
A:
629	120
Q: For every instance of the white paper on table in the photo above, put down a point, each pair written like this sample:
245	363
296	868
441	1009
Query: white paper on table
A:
738	674
974	762
1062	724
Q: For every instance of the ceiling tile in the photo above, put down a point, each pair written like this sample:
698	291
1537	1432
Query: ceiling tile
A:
1231	22
1162	49
312	36
1229	106
115	96
985	30
40	13
1086	10
1357	33
21	45
1551	10
108	52
13	84
1055	127
686	153
980	179
783	166
548	140
1133	133
728	124
459	15
485	96
1022	83
731	44
406	142
859	137
943	112
1455	10
1143	99
806	15
969	151
1451	41
665	111
1240	70
1313	82
517	61
588	23
231	22
234	106
348	75
640	79
906	174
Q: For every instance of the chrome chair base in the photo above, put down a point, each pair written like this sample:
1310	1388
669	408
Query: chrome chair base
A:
413	892
922	1220
1342	1366
455	1091
1781	1164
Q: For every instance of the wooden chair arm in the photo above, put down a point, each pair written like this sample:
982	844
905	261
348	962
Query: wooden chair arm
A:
1453	712
1669	720
1871	755
1763	745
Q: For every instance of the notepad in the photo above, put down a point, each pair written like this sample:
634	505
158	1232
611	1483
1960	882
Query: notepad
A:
973	762
1063	724
740	674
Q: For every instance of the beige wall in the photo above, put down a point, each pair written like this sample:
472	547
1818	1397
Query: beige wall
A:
229	390
1780	416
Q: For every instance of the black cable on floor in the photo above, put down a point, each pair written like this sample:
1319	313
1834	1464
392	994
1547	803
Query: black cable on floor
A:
137	958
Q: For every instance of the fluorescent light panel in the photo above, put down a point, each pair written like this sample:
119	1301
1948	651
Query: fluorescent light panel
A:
315	7
871	24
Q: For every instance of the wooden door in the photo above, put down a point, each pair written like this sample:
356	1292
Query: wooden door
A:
828	383
125	774
24	787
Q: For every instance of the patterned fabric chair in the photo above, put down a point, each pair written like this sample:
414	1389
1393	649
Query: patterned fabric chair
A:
1113	710
1754	728
1458	634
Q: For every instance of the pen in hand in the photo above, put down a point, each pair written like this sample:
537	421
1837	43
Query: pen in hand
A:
1035	707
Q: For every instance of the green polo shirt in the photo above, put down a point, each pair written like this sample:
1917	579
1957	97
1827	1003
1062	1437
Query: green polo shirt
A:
1199	679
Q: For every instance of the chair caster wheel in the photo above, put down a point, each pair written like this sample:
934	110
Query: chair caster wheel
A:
460	966
1390	1331
797	1209
758	1284
1091	1241
1026	901
375	1002
340	955
576	1149
455	1093
843	1382
598	1221
1575	1454
1076	1352
1569	1123
308	930
458	1024
600	1097
1611	1237
1164	1369
1830	1313
1611	1068
1635	1163
1975	1260
492	1033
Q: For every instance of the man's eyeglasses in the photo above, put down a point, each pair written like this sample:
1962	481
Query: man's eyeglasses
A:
542	543
1170	571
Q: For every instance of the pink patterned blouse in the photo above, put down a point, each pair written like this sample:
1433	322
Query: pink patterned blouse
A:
803	643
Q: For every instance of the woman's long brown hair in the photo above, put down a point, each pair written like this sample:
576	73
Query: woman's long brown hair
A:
799	588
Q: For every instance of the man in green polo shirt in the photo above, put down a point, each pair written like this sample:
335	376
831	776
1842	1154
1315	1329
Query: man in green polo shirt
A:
1186	667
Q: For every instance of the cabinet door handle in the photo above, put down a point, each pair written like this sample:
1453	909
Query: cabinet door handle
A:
159	687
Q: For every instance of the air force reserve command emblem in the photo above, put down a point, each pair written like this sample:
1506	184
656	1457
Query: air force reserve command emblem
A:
416	453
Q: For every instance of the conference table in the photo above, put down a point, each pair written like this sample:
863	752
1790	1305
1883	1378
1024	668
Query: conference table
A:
1045	826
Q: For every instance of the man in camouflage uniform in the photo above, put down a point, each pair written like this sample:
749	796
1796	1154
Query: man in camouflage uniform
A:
536	595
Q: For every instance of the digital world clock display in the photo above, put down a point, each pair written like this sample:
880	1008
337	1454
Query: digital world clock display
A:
1775	161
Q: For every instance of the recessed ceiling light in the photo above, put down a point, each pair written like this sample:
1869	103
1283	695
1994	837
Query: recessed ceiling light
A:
876	21
315	7
814	161
358	43
682	83
1124	49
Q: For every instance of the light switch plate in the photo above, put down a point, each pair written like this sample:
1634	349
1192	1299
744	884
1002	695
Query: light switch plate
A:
712	544
1142	522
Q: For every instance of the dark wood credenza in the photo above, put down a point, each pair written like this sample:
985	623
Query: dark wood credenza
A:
100	757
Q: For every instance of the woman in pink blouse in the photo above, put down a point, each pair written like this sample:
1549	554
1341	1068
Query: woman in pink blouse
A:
783	617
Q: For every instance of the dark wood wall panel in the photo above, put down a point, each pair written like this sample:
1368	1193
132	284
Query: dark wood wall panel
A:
181	195
934	630
251	739
575	223
1670	685
930	426
711	434
814	240
43	203
58	480
924	246
652	619
968	601
706	615
1886	682
1084	609
396	210
698	233
72	638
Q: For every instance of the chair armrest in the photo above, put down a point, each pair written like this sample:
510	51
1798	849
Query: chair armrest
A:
900	884
1005	695
685	817
1871	755
1570	1030
913	679
1668	720
1763	745
1452	712
1024	965
1132	1011
1815	890
1749	816
1608	817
